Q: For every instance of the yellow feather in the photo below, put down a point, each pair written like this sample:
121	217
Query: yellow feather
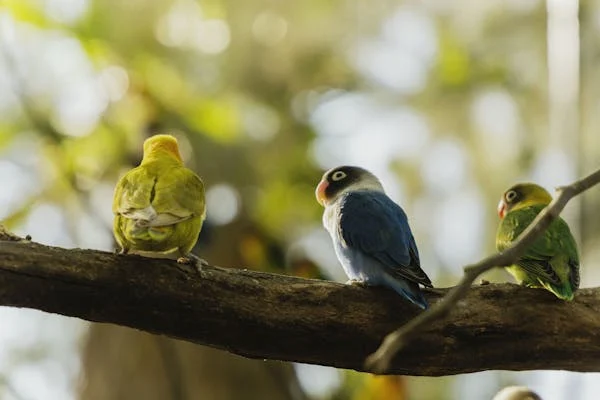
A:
161	144
531	195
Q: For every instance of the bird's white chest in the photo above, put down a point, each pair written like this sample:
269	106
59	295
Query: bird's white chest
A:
331	218
354	263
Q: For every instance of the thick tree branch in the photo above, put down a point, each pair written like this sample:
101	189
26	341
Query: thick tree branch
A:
272	316
394	342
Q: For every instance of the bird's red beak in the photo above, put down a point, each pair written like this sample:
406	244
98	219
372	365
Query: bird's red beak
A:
320	192
502	206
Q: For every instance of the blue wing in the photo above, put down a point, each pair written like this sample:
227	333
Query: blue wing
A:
372	223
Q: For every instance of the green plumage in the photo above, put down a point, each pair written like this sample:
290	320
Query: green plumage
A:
159	206
551	262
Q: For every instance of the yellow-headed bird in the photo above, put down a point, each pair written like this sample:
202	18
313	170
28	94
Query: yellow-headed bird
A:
551	262
159	206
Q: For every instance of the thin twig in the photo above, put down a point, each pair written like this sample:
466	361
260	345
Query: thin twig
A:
379	361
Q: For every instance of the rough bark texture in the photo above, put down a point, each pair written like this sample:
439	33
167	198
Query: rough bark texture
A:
260	315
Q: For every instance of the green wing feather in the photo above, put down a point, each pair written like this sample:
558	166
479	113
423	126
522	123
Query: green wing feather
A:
177	191
180	193
551	262
133	191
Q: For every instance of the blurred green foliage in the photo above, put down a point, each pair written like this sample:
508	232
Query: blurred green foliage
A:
83	83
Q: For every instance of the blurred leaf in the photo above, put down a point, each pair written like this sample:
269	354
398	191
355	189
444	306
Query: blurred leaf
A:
162	80
453	64
26	11
18	216
218	118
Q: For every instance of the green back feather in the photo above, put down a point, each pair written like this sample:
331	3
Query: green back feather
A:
551	262
174	191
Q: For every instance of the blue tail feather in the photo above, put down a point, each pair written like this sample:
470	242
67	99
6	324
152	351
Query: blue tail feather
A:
408	290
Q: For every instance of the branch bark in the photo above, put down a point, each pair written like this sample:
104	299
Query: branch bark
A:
262	315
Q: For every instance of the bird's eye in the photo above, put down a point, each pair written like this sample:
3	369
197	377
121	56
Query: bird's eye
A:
511	195
338	175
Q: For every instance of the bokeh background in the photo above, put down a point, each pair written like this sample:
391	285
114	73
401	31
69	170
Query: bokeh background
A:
449	103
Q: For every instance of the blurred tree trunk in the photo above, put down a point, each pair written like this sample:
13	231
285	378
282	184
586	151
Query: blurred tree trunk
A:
589	151
122	363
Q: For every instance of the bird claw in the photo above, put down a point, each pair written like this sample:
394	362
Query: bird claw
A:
191	264
434	290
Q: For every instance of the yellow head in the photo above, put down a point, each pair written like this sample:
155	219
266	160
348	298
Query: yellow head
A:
523	195
161	145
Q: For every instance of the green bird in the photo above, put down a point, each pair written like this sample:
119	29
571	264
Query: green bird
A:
159	206
551	262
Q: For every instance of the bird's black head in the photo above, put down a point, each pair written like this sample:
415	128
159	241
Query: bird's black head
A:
342	179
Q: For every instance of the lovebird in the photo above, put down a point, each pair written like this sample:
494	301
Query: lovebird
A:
159	206
370	233
516	393
552	261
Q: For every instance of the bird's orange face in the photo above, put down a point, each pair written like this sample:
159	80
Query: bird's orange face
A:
502	208
522	195
320	192
511	197
340	179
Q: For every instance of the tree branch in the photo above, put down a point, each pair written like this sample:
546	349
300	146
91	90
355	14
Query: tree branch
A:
394	342
262	315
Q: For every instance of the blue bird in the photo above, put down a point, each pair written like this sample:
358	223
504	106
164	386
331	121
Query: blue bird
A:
370	233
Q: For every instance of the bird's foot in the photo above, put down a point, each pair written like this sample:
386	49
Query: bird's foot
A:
191	263
434	290
119	251
191	259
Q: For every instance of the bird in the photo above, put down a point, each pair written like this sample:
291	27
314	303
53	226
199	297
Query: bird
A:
370	233
516	393
552	261
159	206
